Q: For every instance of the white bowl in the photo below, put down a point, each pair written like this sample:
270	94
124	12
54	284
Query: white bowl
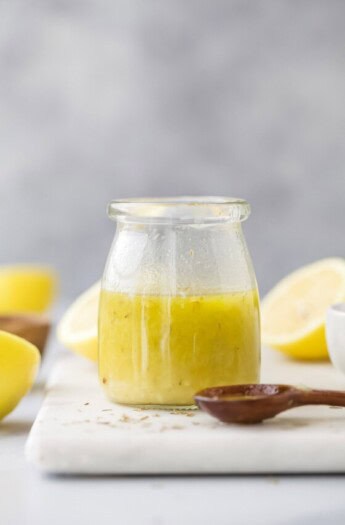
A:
335	335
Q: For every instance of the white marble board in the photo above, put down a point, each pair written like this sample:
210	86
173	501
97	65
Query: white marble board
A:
78	431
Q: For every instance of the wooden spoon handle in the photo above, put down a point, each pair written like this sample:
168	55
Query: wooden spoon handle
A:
321	397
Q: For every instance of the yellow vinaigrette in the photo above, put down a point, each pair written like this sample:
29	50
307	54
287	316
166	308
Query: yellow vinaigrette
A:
161	350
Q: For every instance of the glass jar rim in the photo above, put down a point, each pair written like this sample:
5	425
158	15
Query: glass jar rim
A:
185	210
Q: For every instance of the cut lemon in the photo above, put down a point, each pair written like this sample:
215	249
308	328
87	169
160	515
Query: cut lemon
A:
19	363
26	289
293	313
77	329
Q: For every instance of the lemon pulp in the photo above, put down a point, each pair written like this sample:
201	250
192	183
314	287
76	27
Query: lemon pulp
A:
294	311
162	349
77	330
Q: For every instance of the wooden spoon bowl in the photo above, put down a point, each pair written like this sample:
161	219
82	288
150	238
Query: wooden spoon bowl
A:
34	328
253	403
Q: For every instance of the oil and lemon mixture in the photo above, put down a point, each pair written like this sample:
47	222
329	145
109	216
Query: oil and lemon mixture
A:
161	350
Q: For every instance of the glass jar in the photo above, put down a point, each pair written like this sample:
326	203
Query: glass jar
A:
179	308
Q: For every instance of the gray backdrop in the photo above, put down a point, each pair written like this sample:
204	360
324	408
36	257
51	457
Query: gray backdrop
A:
103	99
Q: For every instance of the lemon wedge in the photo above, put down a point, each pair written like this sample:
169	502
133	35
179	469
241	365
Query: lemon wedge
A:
26	288
19	363
77	329
293	313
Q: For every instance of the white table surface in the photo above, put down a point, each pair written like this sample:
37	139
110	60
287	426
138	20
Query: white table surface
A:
28	498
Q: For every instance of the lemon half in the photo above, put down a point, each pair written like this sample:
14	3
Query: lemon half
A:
19	363
26	288
293	312
77	329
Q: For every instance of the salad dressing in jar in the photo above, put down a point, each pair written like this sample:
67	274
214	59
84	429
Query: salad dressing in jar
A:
179	308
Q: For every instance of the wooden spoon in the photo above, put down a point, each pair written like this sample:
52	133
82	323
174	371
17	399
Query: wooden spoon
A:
32	327
254	403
